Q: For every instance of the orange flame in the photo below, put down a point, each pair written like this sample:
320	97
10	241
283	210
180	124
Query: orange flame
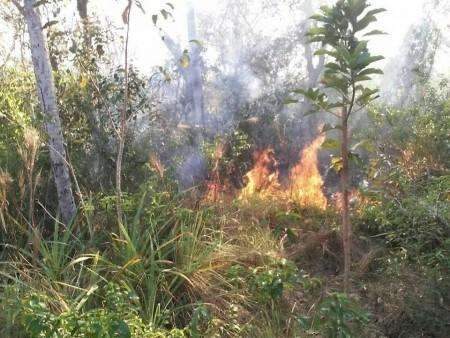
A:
263	178
305	180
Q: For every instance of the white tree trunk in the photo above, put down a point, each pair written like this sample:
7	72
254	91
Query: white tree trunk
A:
194	106
46	92
195	77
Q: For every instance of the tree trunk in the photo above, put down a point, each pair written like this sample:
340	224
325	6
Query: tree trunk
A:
47	97
346	226
123	125
195	76
193	109
82	8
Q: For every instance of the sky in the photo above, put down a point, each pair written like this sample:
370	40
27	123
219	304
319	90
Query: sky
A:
148	50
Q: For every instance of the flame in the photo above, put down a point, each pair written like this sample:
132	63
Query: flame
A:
305	180
263	178
214	188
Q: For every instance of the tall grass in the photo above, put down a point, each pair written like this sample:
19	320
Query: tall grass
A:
171	257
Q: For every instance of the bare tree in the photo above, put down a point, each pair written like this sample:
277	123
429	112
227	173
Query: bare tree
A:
123	120
47	96
82	8
192	74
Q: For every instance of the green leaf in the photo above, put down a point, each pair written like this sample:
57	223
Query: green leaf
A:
165	13
336	105
360	47
375	32
376	11
366	59
357	7
312	94
310	112
373	59
331	144
320	18
344	53
290	101
120	329
337	82
361	78
333	66
317	38
197	42
355	158
316	31
367	96
155	19
368	19
299	91
321	51
370	71
50	23
139	5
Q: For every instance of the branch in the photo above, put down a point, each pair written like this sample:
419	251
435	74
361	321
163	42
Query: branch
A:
171	45
352	102
19	7
175	49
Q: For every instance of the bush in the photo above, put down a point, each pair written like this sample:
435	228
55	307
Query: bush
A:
337	316
117	315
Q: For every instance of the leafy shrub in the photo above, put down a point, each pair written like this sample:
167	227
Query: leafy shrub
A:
116	316
416	219
337	316
266	282
406	200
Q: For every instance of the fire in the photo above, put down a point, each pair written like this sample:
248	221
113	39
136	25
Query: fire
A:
263	178
214	187
305	180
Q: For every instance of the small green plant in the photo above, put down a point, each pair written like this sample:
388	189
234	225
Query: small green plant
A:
266	282
342	30
116	316
337	316
269	282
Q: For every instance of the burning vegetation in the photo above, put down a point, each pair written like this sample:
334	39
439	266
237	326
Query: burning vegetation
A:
198	201
304	185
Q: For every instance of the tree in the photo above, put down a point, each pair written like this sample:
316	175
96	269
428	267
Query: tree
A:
82	9
46	92
341	30
121	134
190	68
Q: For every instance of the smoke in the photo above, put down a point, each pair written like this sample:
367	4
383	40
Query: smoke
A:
416	63
192	171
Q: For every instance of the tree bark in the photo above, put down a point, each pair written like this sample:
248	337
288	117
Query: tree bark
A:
193	109
346	226
123	124
195	77
46	92
82	8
